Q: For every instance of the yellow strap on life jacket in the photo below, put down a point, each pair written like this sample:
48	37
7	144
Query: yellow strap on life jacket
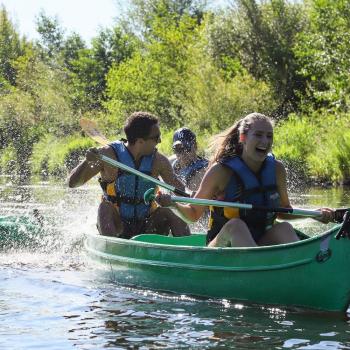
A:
229	213
110	189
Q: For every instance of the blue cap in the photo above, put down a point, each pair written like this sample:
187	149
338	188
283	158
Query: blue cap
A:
184	137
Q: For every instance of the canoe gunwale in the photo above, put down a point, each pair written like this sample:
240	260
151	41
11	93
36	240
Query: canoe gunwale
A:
122	241
114	258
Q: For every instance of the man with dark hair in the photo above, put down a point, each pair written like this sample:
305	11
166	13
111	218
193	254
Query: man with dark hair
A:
189	167
122	212
139	125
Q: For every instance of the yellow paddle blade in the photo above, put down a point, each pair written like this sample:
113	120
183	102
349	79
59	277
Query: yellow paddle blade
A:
91	129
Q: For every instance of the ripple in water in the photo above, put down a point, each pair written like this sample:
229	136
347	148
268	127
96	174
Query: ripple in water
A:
51	299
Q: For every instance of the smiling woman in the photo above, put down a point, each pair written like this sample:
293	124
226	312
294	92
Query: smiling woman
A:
243	170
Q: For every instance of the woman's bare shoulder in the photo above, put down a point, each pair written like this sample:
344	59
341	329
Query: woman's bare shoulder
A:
220	170
214	181
280	168
219	174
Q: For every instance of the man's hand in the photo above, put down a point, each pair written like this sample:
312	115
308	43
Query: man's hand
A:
92	157
86	169
164	199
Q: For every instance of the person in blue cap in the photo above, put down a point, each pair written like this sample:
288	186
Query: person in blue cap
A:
188	166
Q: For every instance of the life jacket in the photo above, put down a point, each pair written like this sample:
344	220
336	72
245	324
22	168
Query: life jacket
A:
128	189
185	174
247	187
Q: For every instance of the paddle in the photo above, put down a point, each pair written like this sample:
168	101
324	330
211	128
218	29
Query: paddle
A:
344	231
90	128
338	217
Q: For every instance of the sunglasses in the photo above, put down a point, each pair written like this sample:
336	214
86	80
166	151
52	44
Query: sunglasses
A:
156	138
180	149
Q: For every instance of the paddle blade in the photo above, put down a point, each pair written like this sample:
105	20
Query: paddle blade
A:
344	230
339	215
90	128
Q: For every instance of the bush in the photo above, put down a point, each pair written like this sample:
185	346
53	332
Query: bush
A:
331	161
8	160
294	139
53	156
317	145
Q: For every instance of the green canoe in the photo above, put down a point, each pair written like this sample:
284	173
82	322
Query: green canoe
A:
20	231
312	273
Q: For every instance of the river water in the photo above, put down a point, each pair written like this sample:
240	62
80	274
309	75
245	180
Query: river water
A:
50	298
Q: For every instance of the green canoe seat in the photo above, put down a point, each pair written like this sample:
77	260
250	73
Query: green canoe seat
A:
193	240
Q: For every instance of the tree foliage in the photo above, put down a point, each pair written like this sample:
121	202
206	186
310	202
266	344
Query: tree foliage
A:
261	36
143	14
51	35
89	68
154	78
324	54
188	64
11	47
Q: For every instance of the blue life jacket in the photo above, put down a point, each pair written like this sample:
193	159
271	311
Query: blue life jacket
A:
185	174
129	188
247	187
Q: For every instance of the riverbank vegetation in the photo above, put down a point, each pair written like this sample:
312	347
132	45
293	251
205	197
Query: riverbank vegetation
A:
189	64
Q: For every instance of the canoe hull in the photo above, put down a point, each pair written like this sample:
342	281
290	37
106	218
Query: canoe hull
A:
18	232
312	273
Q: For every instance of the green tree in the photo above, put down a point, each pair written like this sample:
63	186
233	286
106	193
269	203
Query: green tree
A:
324	54
214	97
38	105
154	78
51	36
88	70
143	13
72	45
11	47
261	36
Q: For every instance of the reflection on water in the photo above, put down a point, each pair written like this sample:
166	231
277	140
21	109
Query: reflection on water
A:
51	299
317	197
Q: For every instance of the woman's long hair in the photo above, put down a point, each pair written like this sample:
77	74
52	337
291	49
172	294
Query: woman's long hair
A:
228	142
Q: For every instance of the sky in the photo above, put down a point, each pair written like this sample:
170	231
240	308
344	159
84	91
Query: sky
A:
84	17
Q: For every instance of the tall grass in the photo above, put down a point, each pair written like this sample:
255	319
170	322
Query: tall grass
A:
54	156
318	145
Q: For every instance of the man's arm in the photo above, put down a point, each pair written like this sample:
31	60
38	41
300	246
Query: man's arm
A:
87	169
166	172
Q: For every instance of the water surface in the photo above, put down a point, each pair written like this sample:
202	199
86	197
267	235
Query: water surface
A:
50	298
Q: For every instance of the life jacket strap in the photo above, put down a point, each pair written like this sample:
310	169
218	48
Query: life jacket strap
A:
258	189
103	184
129	200
218	221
